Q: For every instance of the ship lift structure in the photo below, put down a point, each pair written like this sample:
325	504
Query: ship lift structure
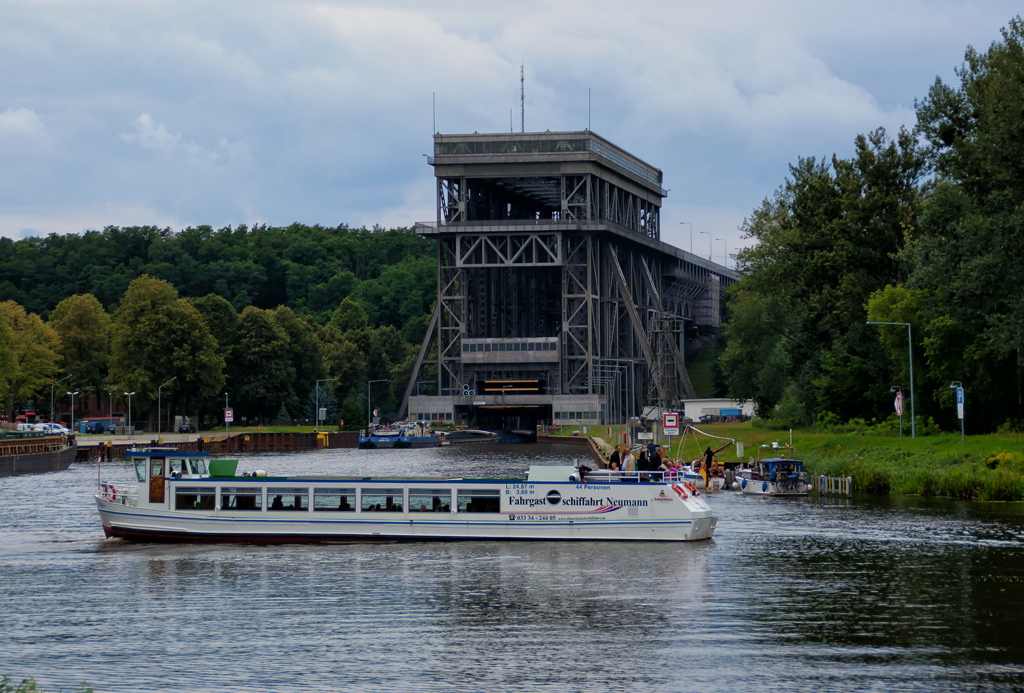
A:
557	300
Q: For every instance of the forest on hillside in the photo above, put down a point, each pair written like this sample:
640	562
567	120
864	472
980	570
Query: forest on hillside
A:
924	227
262	313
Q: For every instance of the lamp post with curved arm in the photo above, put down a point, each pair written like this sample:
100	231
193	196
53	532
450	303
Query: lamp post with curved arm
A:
51	393
129	421
691	234
159	421
72	409
910	349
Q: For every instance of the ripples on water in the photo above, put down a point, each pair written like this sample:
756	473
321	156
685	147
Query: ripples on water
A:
874	594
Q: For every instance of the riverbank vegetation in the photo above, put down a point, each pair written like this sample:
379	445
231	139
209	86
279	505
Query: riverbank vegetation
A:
987	467
280	319
922	228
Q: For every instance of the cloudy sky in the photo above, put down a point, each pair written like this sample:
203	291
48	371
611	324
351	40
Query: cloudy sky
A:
179	113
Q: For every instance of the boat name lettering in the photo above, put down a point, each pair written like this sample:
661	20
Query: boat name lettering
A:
627	502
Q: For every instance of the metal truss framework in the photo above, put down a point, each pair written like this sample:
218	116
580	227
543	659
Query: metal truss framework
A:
557	234
585	198
609	301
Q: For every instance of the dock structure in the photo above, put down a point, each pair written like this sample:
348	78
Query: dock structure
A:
557	300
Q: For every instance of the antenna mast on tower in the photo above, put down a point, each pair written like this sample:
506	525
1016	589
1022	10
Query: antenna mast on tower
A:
522	97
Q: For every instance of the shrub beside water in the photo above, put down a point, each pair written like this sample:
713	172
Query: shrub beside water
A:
963	475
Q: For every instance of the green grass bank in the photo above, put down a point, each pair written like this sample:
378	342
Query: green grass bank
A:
983	467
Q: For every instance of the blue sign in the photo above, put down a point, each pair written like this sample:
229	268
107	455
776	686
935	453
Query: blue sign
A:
960	403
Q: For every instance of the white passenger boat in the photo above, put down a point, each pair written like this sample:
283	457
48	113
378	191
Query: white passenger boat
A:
184	496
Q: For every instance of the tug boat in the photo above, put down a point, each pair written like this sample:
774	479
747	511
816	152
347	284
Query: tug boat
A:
379	438
187	497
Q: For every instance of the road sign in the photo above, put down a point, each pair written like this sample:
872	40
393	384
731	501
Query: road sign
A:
670	423
229	415
899	404
960	403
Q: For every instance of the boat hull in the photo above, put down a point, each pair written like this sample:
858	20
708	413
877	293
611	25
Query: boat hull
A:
378	442
760	487
518	510
55	460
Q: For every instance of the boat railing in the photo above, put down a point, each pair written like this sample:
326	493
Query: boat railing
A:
658	476
119	495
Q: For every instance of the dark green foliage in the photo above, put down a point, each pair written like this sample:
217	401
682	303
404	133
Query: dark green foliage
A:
827	239
262	374
310	269
922	231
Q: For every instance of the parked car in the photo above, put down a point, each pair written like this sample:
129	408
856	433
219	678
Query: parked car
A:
95	427
186	428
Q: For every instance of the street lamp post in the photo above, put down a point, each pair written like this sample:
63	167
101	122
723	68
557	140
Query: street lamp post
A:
710	242
899	393
691	234
369	421
51	393
159	410
72	409
128	423
317	386
725	252
959	387
910	350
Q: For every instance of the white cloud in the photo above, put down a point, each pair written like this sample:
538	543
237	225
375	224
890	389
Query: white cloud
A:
21	129
153	135
284	110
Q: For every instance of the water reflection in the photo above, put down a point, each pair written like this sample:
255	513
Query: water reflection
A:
862	594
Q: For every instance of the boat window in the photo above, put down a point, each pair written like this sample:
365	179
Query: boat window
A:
430	500
241	498
156	467
381	499
140	468
194	498
479	500
177	467
336	499
287	499
198	466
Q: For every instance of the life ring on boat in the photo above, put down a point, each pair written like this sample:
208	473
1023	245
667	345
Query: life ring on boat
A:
693	489
113	493
680	491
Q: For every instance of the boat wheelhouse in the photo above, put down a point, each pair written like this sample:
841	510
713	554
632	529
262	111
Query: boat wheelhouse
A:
184	496
775	476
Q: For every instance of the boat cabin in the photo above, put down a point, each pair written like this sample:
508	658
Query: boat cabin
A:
155	466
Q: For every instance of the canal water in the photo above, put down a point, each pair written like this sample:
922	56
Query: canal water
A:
873	594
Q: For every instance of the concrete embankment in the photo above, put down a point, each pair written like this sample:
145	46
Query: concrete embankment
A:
597	448
219	443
